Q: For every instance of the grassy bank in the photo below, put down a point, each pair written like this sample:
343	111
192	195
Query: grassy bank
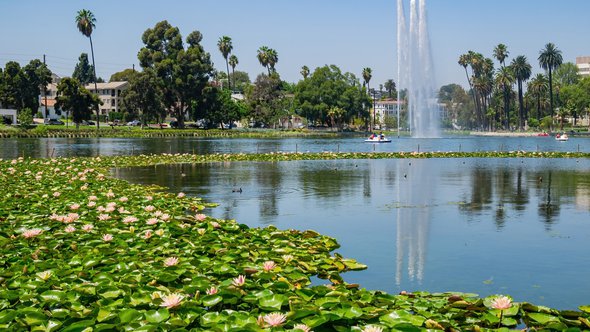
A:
81	251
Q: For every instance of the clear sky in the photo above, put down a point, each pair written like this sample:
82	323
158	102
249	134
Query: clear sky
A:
351	34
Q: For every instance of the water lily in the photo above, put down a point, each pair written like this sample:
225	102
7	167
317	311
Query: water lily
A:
181	195
372	328
29	233
212	290
87	227
239	281
92	198
123	199
165	217
159	232
149	208
45	275
201	231
110	194
152	221
215	224
56	194
200	217
302	327
269	266
74	206
130	219
103	217
91	204
70	229
148	234
501	303
287	258
171	261
107	237
275	319
171	300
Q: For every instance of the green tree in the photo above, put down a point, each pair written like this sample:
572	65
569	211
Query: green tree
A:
182	73
265	99
21	86
143	98
84	71
550	58
25	116
225	47
504	81
522	72
304	72
367	74
567	74
273	59
539	86
263	57
501	53
390	88
233	62
124	75
86	22
73	97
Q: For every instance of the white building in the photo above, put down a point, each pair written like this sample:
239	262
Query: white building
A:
583	64
385	108
109	94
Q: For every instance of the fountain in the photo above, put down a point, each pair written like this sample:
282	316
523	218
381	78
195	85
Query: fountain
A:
416	72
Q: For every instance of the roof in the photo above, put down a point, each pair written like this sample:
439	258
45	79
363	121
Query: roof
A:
50	102
107	86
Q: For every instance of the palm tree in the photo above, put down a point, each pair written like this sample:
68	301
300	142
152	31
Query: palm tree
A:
263	57
304	72
549	59
273	58
501	53
367	75
538	87
390	87
522	72
464	61
504	81
225	47
233	62
86	23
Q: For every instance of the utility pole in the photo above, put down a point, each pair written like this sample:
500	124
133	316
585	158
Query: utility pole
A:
45	93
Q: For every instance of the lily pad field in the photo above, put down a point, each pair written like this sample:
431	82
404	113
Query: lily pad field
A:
82	251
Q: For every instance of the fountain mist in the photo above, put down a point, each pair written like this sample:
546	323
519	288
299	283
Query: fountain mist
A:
415	70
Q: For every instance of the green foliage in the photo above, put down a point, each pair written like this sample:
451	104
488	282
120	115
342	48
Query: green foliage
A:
124	75
143	98
326	88
84	71
75	100
20	87
265	99
25	116
183	73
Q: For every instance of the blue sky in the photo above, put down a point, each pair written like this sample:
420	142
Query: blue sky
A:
351	34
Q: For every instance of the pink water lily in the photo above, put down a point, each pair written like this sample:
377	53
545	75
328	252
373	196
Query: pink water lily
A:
302	327
171	261
211	291
200	217
269	266
70	229
107	237
152	221
149	208
123	199
91	204
239	281
372	328
87	227
130	219
181	195
29	233
104	217
148	234
171	300
275	319
74	206
501	303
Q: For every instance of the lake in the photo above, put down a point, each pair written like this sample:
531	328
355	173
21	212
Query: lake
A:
67	147
489	226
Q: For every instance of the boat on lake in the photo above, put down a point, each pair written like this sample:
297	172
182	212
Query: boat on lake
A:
378	139
561	137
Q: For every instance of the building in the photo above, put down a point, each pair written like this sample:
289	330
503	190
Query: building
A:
385	108
109	94
583	64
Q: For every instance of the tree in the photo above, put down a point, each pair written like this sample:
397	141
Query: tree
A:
182	73
550	58
143	98
522	72
465	61
86	23
225	47
125	75
504	81
501	53
233	62
304	72
567	74
367	75
84	71
262	56
73	97
538	86
20	87
273	58
390	88
264	98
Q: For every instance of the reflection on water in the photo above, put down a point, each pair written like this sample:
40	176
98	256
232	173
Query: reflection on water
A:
488	226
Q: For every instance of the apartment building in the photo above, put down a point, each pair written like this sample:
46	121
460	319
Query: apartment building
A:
109	94
583	63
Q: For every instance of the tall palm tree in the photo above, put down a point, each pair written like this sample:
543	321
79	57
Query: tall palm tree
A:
390	87
539	86
549	59
501	53
225	47
86	23
522	71
465	61
273	58
367	75
304	72
233	62
504	81
262	56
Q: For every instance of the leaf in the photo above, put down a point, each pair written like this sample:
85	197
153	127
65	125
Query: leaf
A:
542	318
129	315
314	321
157	316
104	314
53	296
211	300
79	326
585	308
6	316
272	302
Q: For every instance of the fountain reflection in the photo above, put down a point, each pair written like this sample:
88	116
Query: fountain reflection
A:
415	191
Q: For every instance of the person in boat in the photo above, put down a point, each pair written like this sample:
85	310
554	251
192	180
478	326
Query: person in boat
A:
372	136
381	136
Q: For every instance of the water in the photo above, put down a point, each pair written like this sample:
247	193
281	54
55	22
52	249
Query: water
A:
488	226
416	71
62	147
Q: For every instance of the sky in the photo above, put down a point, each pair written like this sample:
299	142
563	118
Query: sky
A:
351	34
